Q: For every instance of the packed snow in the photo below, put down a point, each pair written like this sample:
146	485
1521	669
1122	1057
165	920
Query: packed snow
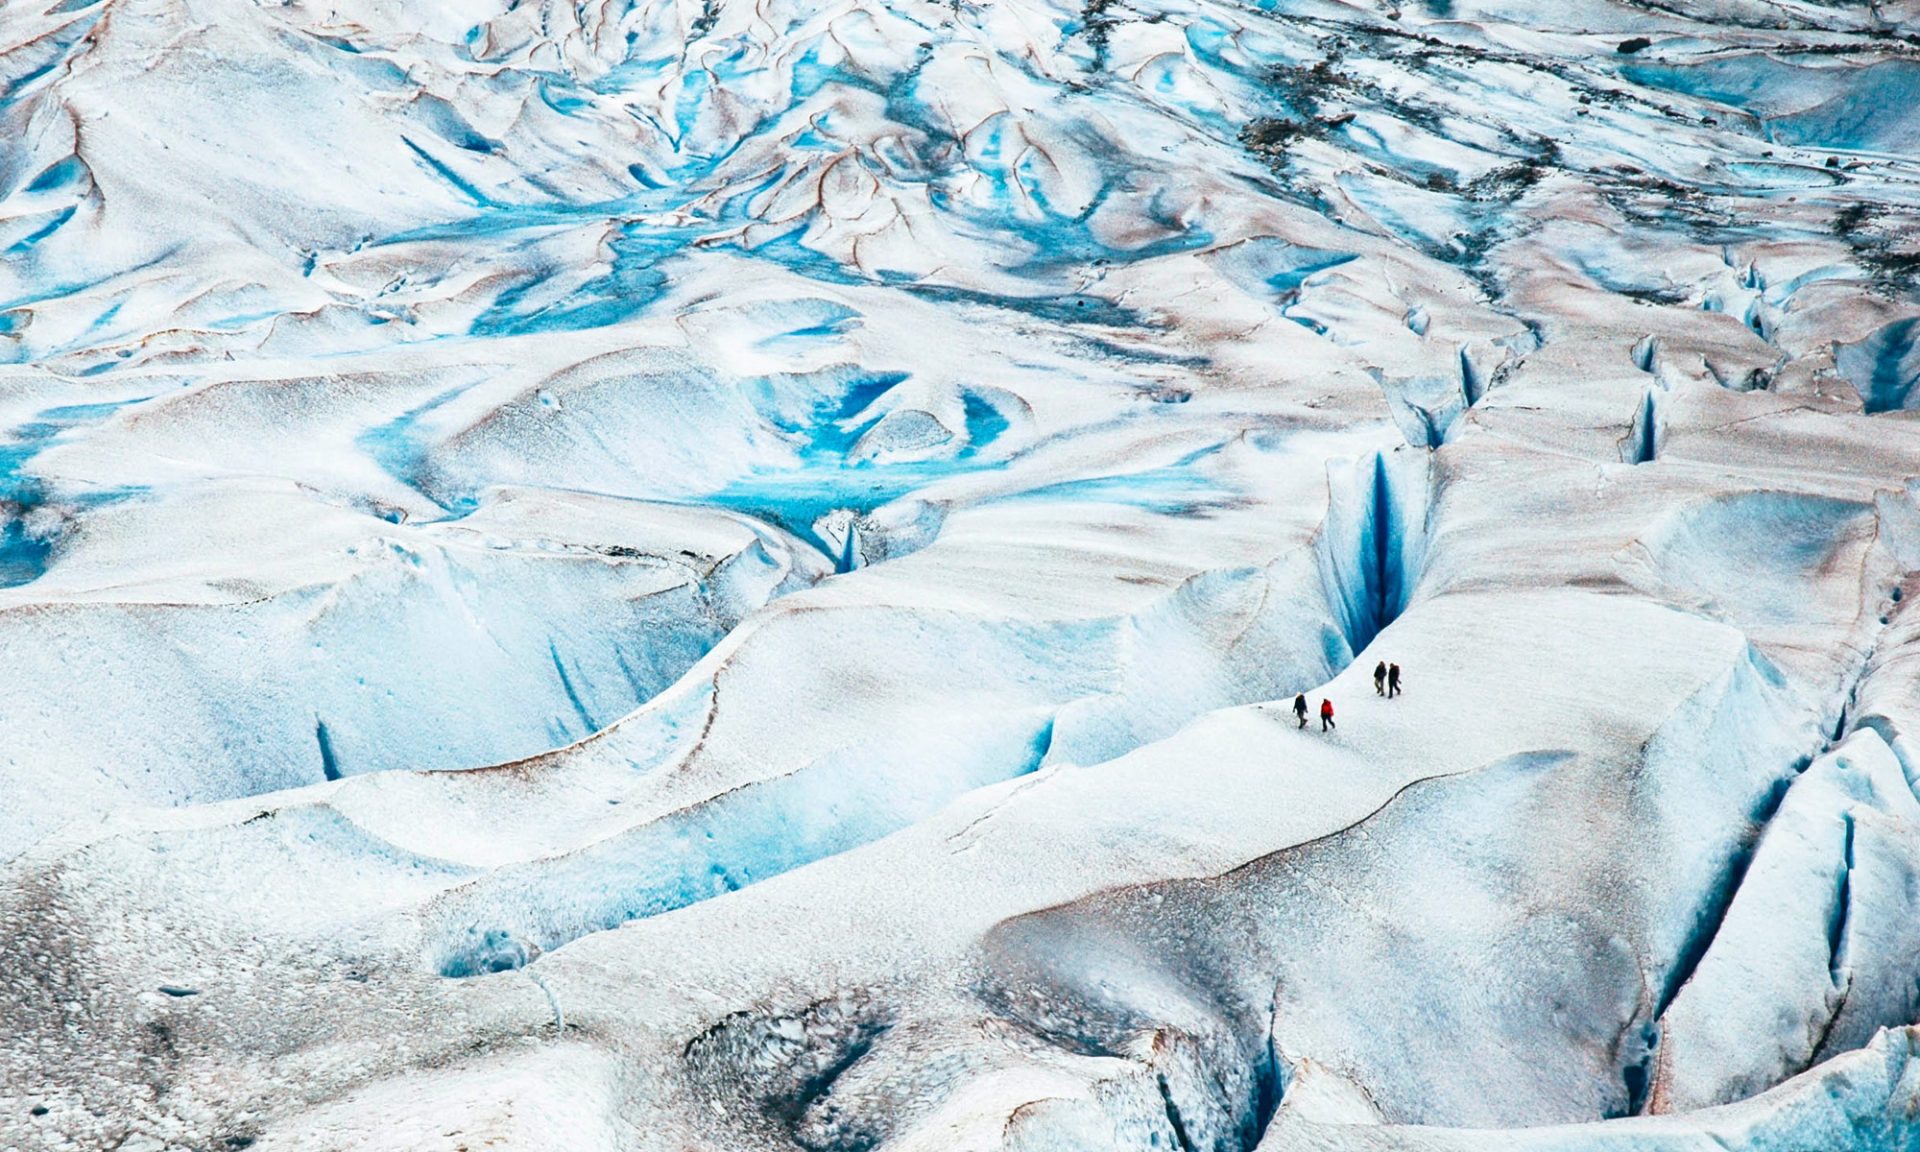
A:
720	575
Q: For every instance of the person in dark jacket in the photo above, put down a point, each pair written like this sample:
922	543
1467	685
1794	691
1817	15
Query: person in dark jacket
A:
1393	680
1380	678
1326	715
1300	708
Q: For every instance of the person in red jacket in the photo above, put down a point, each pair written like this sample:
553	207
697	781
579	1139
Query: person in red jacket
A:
1326	714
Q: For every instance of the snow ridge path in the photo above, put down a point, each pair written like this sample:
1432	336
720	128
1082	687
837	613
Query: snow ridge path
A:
722	575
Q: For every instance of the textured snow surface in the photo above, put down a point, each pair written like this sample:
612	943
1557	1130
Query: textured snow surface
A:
717	575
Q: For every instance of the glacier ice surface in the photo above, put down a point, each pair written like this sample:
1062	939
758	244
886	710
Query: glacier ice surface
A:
716	575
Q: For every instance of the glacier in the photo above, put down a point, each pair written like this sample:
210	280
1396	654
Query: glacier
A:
698	574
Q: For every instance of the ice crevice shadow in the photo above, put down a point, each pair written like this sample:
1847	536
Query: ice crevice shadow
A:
1372	545
1428	409
1642	442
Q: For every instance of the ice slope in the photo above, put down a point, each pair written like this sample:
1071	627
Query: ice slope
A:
730	575
1728	1035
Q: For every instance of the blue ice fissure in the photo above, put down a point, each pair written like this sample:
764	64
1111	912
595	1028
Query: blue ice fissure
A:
1386	579
23	558
1884	367
41	233
24	554
827	480
459	183
65	171
55	47
1171	491
985	423
395	447
1372	550
329	760
566	685
634	279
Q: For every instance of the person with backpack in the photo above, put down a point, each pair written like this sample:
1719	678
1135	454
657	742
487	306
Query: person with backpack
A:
1393	680
1380	678
1300	708
1326	715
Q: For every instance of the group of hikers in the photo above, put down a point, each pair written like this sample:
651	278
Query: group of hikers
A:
1386	682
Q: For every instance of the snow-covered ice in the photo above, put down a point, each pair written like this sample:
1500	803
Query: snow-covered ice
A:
678	575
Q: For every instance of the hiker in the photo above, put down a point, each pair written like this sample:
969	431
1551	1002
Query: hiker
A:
1393	680
1326	715
1380	678
1300	708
